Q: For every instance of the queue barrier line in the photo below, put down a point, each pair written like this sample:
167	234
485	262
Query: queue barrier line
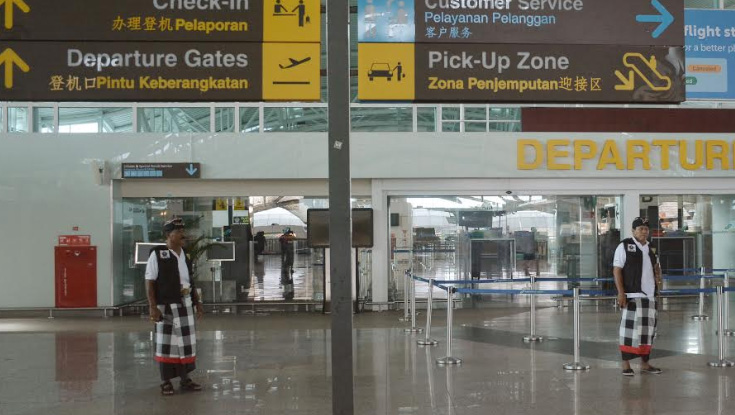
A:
508	280
491	281
598	293
675	278
511	291
693	277
576	364
549	279
721	331
412	287
682	291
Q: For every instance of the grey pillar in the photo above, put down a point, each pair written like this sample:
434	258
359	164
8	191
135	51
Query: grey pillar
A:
340	226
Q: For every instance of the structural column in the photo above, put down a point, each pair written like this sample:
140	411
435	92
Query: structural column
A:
340	218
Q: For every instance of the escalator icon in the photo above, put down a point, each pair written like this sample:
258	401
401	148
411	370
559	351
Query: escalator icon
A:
645	69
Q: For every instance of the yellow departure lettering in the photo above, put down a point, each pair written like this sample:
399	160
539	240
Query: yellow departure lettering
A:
538	154
552	154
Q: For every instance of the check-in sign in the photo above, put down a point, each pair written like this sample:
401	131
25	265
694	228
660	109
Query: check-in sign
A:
610	22
161	20
520	73
160	71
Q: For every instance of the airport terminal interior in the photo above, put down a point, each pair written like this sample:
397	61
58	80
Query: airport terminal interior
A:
478	286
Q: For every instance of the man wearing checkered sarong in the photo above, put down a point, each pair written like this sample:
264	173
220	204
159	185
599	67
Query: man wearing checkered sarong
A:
637	277
172	299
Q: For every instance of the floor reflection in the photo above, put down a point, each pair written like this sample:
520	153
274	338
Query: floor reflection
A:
281	364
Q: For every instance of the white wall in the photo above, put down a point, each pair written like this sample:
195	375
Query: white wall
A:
47	186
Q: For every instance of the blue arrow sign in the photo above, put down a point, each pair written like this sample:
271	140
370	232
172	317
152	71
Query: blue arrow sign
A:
664	18
191	169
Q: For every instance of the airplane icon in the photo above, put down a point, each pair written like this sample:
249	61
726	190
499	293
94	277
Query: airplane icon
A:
295	62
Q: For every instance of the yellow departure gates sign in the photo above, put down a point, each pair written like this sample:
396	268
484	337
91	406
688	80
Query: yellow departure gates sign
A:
10	60
291	73
159	71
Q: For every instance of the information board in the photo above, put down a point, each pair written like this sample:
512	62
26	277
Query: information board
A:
521	51
160	50
161	171
618	22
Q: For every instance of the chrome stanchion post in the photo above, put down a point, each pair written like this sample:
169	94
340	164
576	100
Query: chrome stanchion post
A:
701	316
576	365
720	335
532	337
448	359
405	296
427	341
726	307
413	328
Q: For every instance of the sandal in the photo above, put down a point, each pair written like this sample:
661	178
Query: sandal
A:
190	385
652	370
167	389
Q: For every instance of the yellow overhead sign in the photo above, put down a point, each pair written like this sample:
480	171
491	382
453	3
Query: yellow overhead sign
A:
10	6
11	59
386	71
287	20
291	71
646	69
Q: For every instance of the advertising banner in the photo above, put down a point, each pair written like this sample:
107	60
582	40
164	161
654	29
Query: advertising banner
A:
710	52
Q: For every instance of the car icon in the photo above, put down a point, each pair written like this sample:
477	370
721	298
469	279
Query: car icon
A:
380	70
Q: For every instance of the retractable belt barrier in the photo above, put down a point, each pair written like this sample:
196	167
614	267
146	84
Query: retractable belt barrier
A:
448	286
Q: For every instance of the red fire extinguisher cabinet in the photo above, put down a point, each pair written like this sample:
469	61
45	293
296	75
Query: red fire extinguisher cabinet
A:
76	276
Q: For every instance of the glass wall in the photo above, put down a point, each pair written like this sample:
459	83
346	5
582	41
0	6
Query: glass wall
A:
691	231
220	231
508	236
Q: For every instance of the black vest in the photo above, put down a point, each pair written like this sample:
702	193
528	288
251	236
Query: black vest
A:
168	284
633	268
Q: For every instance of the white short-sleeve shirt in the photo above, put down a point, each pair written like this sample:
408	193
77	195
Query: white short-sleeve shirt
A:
648	284
151	269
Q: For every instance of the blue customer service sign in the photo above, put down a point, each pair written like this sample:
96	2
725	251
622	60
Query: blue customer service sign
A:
710	54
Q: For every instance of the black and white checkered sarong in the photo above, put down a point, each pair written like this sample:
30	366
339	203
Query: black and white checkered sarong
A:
638	327
176	334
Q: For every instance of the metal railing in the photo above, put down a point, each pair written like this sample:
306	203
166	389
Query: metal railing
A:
449	286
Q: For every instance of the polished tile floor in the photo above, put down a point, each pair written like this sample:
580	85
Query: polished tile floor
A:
271	283
279	364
